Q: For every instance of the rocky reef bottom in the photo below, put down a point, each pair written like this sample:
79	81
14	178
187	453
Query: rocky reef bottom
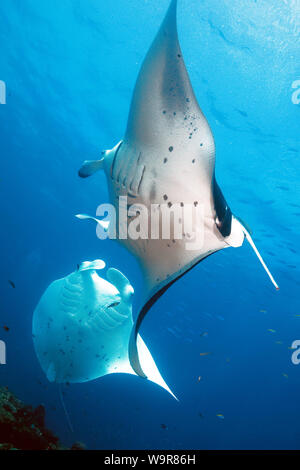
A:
22	427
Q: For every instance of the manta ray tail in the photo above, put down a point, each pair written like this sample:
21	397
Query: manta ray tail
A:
251	242
89	167
240	226
65	409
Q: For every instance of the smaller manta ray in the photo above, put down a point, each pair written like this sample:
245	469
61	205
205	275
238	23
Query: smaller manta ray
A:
166	161
82	324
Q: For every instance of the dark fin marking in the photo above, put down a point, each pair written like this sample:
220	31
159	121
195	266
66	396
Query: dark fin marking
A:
132	350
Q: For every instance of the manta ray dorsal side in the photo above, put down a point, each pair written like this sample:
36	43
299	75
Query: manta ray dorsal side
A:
167	159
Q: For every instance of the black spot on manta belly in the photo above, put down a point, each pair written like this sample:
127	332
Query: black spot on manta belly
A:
171	149
165	197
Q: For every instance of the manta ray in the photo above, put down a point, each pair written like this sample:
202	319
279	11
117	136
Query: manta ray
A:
82	324
167	160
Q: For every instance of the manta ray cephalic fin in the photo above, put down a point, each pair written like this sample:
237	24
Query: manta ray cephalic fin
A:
89	167
103	223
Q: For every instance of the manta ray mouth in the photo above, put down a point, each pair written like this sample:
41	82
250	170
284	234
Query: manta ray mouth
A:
114	304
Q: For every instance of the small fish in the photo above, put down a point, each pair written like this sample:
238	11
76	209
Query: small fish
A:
285	375
205	353
220	416
5	328
199	378
13	285
200	415
263	311
271	330
164	426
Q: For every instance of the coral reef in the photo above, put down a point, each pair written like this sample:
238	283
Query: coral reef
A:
23	427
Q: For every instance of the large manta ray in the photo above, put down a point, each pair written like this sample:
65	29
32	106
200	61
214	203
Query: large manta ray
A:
167	158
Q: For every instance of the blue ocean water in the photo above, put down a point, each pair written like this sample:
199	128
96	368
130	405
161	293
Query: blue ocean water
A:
70	68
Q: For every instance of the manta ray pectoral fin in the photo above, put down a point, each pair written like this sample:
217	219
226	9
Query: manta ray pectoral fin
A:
104	223
247	235
150	367
89	167
163	95
121	283
133	348
134	354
